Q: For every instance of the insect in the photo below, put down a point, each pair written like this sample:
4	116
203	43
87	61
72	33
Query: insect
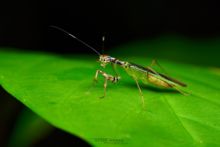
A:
137	72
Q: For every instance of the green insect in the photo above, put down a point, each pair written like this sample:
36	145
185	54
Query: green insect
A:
137	72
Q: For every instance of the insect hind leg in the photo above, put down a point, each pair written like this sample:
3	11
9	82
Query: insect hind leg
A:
155	62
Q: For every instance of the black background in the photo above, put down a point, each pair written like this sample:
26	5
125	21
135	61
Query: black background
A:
24	24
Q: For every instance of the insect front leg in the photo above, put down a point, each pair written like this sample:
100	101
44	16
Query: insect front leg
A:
108	77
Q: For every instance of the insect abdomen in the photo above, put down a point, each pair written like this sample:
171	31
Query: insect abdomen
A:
158	82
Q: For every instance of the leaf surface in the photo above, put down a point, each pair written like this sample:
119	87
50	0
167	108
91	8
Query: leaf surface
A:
60	90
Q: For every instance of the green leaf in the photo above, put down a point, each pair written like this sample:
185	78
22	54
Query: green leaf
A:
60	90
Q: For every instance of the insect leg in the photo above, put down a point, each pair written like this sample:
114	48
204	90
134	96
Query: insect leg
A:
142	96
105	86
107	77
95	79
155	62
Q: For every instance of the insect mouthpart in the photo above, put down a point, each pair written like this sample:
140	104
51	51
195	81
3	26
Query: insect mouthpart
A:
104	59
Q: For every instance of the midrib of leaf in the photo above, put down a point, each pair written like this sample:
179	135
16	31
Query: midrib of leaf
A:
194	137
201	122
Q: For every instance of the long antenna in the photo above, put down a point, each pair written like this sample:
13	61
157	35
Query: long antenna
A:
71	35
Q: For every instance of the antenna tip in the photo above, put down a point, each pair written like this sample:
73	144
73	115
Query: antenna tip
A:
103	38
